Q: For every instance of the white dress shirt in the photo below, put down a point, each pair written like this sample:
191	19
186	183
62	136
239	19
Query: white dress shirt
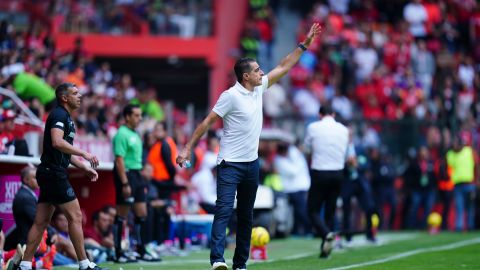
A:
293	170
327	141
242	115
205	185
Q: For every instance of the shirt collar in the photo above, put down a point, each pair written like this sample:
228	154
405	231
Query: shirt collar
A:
30	190
242	89
328	118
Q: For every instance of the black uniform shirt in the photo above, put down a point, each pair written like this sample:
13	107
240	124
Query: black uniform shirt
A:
58	118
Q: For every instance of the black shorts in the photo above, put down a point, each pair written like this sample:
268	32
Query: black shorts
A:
54	185
137	184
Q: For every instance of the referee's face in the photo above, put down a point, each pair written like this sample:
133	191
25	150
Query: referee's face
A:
133	120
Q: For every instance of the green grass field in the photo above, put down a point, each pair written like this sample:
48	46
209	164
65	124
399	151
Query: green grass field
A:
393	251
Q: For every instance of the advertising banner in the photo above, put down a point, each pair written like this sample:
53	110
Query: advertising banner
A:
9	185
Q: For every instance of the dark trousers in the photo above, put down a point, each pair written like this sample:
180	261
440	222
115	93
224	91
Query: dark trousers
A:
323	193
360	189
424	198
445	198
240	177
385	195
301	224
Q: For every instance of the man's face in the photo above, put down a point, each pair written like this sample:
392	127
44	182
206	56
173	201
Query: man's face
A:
134	118
254	77
103	223
31	180
159	132
73	98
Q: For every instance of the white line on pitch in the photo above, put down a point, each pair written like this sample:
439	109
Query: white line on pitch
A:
411	253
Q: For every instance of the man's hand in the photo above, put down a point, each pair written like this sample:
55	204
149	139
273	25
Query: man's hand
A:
182	157
315	30
92	159
92	174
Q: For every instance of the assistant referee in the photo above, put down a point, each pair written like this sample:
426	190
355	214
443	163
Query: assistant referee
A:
52	177
327	141
130	187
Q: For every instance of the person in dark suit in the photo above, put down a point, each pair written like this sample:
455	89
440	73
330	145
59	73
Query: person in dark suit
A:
25	203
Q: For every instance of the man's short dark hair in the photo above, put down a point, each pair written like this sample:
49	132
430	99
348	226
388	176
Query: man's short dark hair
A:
162	124
326	109
62	90
96	215
24	172
243	66
128	110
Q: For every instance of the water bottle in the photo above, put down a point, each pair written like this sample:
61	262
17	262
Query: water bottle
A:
187	164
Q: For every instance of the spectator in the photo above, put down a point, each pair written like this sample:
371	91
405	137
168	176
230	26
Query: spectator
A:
423	65
365	59
416	15
382	181
421	181
24	204
27	85
147	100
445	188
464	163
292	167
65	250
159	210
100	234
204	183
356	184
162	158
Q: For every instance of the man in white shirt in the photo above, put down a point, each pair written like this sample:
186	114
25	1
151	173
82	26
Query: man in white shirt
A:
240	107
292	167
327	141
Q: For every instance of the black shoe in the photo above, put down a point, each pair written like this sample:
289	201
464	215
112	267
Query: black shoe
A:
327	245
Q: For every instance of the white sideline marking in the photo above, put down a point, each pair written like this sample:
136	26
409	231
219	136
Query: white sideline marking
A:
382	239
411	253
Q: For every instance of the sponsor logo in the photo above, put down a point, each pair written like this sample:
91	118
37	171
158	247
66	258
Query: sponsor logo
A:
11	189
70	192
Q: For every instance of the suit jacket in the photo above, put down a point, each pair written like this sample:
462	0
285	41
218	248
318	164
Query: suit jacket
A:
24	209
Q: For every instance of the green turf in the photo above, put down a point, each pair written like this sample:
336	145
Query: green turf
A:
402	251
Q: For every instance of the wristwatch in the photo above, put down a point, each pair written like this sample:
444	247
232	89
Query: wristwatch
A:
301	46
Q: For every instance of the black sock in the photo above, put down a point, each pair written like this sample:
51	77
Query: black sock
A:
117	234
140	233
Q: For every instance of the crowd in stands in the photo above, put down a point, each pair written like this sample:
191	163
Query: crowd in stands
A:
184	18
402	62
406	67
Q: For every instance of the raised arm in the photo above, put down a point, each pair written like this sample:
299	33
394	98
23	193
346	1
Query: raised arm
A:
292	58
197	134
